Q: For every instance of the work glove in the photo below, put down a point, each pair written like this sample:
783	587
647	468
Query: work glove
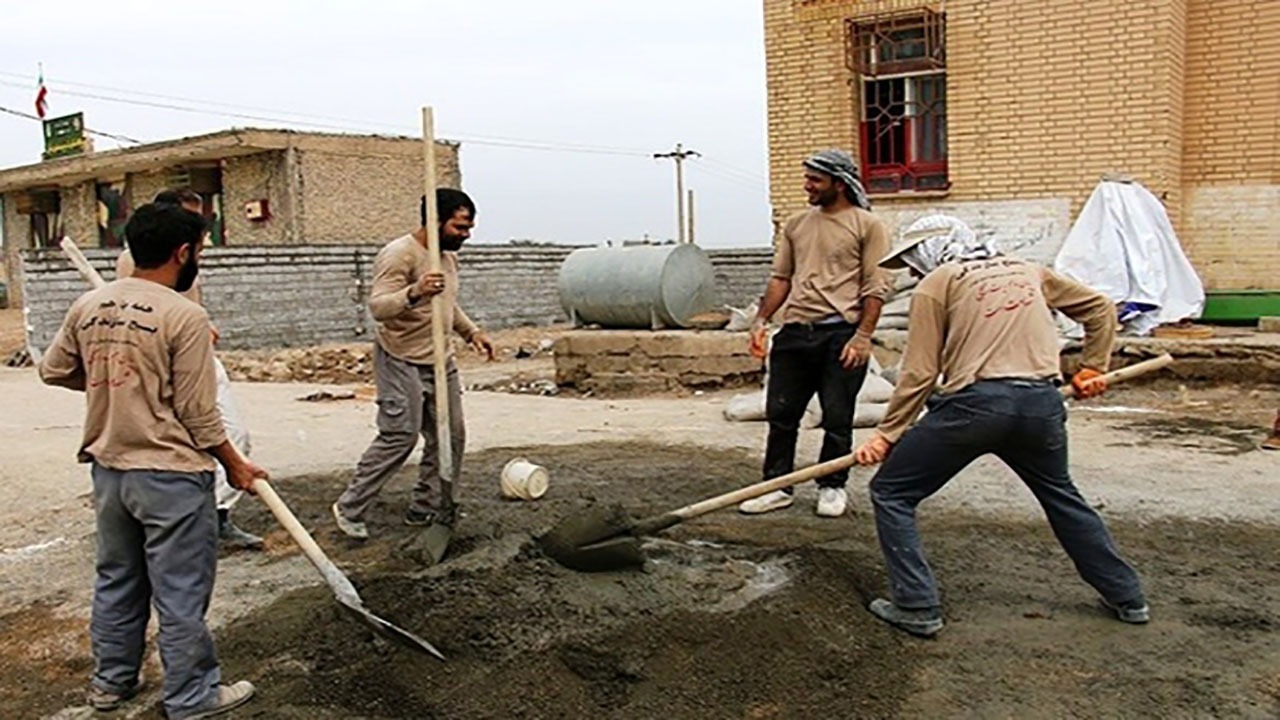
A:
1088	383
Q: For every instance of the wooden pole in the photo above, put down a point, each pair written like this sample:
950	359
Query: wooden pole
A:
439	346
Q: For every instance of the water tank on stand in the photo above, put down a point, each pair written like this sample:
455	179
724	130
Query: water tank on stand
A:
646	286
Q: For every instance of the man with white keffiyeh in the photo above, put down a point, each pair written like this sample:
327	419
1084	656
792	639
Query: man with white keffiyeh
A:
982	353
828	289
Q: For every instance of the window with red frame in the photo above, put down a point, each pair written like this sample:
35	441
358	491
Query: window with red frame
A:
901	66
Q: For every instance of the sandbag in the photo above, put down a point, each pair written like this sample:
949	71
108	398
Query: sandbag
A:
747	407
869	414
875	389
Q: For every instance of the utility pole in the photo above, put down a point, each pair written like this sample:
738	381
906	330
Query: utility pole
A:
691	223
679	155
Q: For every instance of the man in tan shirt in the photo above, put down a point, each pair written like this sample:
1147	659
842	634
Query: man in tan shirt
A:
402	366
143	356
229	534
982	325
828	289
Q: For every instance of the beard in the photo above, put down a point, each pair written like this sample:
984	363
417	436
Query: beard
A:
826	198
187	275
450	243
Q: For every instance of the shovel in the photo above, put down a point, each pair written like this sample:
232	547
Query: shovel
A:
605	538
343	590
434	541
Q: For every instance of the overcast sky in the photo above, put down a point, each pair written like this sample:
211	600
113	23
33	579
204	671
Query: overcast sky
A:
633	78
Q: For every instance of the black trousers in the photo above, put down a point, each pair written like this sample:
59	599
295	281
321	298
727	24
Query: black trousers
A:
805	359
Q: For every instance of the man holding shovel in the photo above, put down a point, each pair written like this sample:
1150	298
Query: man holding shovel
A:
402	365
143	356
983	323
830	290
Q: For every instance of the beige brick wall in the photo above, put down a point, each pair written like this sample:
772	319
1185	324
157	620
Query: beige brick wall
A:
370	196
17	231
1046	96
1231	155
256	177
1230	233
1036	108
1232	118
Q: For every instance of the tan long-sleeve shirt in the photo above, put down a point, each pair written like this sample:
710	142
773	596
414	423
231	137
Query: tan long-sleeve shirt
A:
143	356
991	319
404	328
833	263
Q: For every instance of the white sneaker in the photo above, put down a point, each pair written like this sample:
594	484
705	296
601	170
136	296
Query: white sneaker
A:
775	500
831	502
350	528
230	697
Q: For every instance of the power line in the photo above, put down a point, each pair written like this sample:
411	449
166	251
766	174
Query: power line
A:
354	124
29	116
348	124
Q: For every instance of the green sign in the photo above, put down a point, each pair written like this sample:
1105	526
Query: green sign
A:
64	136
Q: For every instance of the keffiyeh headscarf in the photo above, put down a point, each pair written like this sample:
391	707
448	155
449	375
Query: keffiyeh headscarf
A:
948	240
840	165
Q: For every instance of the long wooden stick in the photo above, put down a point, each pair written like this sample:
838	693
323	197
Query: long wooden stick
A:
841	463
439	348
81	263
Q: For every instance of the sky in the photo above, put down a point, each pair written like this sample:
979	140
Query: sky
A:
604	84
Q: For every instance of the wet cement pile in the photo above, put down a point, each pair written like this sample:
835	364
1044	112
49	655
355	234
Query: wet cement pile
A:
707	630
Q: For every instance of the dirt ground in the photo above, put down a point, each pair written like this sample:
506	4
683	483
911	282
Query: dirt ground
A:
734	617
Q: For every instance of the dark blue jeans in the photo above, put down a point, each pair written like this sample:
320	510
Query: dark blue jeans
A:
803	360
157	545
1024	424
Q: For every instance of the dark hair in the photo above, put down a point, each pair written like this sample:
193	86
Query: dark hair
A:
178	196
155	230
448	202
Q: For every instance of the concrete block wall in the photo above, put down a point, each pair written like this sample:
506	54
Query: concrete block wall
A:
294	296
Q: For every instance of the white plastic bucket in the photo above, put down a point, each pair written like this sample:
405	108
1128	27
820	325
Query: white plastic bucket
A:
522	480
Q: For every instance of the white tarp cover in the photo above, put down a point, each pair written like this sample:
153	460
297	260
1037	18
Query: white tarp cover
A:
1123	245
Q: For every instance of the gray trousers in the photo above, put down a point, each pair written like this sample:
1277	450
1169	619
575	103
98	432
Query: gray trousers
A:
1024	424
406	409
157	544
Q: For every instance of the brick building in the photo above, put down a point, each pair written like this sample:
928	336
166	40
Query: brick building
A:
260	188
1010	111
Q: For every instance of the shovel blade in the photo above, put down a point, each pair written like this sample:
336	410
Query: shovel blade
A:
390	632
594	540
619	553
435	541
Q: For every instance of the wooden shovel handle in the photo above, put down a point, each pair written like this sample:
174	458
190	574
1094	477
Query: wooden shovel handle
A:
341	585
81	263
1128	372
816	471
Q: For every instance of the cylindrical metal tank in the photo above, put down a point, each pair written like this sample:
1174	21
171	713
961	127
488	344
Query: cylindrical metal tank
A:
646	286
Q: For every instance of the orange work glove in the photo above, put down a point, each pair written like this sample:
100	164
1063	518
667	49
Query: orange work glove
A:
759	340
1088	383
874	450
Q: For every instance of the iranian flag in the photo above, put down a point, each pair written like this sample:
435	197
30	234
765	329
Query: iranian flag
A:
42	96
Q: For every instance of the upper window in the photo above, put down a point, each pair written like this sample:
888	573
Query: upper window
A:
901	66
